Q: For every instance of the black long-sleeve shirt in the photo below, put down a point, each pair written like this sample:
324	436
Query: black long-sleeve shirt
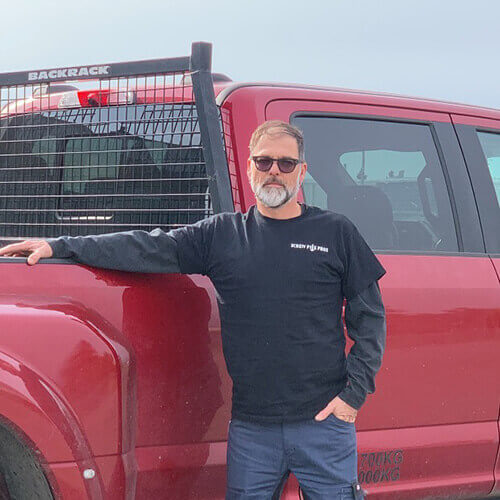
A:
280	286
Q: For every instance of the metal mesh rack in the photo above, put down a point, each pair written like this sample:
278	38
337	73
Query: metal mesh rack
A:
113	153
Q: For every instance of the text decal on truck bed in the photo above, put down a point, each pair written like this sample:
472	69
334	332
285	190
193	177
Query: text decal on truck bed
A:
69	72
380	467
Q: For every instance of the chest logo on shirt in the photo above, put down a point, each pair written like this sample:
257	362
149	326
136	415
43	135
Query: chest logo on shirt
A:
309	246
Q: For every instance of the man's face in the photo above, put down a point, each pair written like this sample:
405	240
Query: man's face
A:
275	188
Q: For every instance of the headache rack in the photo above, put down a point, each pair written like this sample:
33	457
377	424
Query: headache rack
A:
114	147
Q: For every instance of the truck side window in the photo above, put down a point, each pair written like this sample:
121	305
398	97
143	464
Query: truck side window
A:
490	142
385	176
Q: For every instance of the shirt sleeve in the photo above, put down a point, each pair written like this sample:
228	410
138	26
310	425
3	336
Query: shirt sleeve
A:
133	251
366	326
361	266
184	250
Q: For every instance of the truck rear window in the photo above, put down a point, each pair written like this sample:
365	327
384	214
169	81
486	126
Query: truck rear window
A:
100	170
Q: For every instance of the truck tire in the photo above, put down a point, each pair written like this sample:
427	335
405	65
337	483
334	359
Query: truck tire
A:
21	476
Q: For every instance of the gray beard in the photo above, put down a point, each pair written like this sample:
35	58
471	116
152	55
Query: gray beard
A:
273	197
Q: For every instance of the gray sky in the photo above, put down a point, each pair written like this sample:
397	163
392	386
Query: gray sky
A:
444	49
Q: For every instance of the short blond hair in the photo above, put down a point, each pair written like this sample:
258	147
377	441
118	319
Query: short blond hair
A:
277	127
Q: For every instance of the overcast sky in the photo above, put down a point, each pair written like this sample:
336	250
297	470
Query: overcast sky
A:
444	49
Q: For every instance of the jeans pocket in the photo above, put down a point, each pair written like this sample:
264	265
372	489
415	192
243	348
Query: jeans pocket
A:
336	419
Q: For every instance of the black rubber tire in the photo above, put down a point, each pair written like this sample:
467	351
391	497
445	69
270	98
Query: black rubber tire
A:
21	472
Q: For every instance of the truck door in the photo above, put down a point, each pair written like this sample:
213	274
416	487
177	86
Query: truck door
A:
399	175
480	142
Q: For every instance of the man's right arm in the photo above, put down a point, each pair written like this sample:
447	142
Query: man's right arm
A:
134	251
182	250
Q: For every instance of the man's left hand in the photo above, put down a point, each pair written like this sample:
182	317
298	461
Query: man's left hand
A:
340	409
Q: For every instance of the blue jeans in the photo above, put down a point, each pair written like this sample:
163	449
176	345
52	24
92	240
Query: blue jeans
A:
322	456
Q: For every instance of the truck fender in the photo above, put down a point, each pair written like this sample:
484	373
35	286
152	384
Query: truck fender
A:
67	378
42	419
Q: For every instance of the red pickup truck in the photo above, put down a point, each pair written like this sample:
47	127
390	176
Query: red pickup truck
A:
113	384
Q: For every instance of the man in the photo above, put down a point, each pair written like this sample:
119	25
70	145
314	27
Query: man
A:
281	272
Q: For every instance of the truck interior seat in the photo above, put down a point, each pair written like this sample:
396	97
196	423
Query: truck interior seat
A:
369	208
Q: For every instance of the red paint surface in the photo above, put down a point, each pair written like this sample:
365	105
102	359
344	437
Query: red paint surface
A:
124	373
496	489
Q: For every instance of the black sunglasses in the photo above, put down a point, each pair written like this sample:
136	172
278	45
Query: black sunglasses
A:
264	163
